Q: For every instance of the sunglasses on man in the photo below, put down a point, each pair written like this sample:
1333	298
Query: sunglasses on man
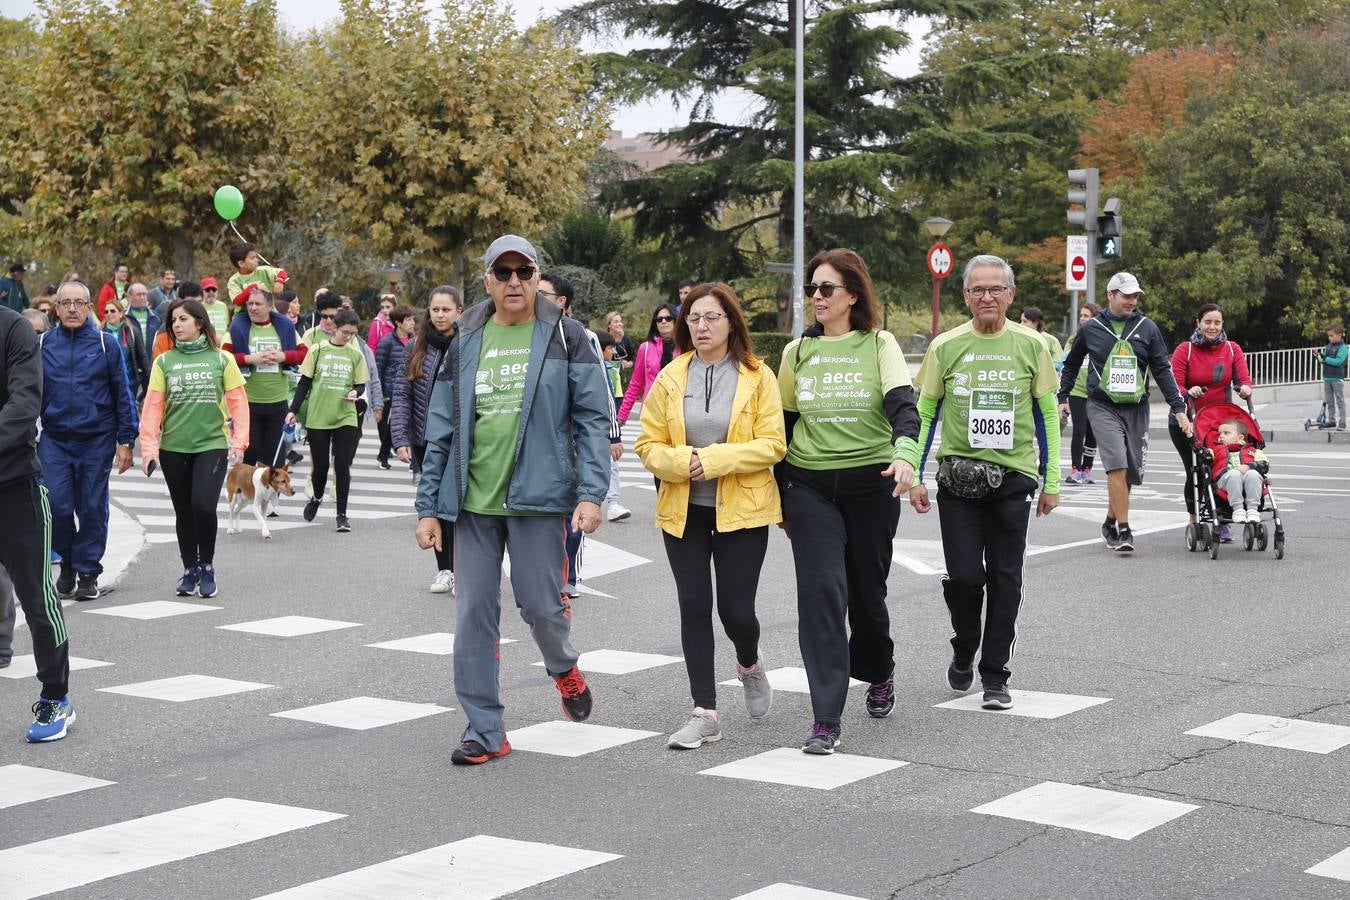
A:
504	273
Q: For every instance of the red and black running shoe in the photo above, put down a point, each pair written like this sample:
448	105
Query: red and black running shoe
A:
472	753
576	696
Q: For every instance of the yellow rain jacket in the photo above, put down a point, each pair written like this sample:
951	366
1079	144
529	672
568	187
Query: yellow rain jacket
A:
747	495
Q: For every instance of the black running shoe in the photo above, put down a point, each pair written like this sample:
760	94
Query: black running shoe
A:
87	587
312	509
383	461
996	696
881	698
1124	540
1109	535
958	677
472	753
576	696
343	524
187	585
65	582
294	457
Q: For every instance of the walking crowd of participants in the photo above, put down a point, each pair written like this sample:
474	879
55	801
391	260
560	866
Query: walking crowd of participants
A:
509	416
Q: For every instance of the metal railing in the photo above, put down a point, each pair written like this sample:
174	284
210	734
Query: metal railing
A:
1272	367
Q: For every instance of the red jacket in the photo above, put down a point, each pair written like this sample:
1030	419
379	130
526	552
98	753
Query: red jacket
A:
1213	368
1247	455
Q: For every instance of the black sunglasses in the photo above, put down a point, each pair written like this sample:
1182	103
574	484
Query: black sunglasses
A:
504	273
327	315
665	319
826	289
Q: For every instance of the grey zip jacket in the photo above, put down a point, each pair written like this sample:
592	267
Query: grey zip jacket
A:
566	394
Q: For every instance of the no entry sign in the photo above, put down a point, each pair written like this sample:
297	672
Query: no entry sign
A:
940	260
1075	263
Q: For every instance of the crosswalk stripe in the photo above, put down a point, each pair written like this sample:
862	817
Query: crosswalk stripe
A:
72	860
482	866
24	784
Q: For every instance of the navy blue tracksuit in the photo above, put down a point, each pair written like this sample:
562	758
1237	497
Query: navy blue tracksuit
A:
87	410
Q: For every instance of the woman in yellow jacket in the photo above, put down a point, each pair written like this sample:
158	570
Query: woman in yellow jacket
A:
712	429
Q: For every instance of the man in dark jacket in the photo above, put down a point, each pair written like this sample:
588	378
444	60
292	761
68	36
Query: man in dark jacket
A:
140	310
12	292
1117	386
88	419
26	538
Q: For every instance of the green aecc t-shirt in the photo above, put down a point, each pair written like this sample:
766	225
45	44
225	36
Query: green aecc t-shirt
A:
334	371
499	394
838	385
987	384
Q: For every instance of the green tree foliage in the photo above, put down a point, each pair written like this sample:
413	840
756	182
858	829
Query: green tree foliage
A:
125	116
431	134
867	130
1245	204
590	238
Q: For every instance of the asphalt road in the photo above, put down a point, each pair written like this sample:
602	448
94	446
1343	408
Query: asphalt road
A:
1171	641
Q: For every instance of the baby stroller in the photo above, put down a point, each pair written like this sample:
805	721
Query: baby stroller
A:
1211	510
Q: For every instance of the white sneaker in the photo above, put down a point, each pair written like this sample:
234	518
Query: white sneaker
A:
703	727
618	512
444	582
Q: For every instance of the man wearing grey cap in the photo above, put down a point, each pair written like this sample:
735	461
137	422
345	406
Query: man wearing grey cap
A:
517	438
1121	346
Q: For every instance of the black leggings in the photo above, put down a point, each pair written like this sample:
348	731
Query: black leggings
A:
265	422
1084	447
194	481
342	442
737	556
842	524
445	557
386	438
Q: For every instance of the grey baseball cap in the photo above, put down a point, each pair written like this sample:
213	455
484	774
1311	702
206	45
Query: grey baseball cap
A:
1125	283
510	243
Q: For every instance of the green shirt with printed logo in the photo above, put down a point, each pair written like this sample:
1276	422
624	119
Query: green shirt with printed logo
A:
988	385
194	387
219	314
267	383
334	371
499	393
838	385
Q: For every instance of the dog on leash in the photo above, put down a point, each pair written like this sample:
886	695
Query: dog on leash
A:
258	487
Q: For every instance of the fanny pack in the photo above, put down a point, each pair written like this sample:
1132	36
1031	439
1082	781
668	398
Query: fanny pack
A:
969	479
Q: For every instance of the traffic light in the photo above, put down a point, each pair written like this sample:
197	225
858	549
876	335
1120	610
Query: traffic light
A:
1108	230
1085	218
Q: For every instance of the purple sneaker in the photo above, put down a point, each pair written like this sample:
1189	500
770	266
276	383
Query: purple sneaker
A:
1225	534
881	698
824	738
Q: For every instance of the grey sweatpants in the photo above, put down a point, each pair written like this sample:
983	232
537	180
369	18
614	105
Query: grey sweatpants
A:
1242	488
1334	394
537	559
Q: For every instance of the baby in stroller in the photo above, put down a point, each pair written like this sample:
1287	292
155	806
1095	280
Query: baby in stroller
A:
1231	470
1239	468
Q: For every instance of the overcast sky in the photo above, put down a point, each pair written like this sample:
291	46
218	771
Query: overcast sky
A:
301	15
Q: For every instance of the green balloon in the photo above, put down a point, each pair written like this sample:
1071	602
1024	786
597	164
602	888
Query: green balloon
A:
229	202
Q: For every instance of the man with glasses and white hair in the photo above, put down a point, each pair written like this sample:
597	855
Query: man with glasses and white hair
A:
88	422
994	383
1121	346
517	439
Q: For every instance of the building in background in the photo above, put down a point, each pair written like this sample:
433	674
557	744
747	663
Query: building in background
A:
645	151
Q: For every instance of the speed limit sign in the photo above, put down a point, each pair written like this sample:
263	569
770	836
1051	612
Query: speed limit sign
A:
940	260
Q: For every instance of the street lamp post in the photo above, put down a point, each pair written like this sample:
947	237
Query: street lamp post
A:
937	227
392	276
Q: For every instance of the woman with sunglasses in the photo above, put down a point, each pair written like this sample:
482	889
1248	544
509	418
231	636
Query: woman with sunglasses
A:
332	377
712	429
851	423
654	355
183	430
